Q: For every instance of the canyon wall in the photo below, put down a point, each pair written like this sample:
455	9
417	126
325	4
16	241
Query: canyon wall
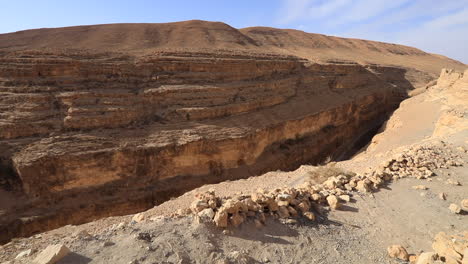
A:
84	135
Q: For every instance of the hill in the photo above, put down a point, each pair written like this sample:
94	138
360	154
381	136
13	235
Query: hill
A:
140	39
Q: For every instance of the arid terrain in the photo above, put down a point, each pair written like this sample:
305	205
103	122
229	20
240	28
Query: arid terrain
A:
254	145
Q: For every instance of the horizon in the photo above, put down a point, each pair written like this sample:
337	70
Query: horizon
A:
439	29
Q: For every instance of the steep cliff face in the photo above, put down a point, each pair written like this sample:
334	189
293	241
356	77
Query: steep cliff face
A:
129	132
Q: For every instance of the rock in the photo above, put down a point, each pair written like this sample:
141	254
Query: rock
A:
52	254
362	187
453	182
398	251
455	208
310	216
316	197
144	236
140	217
303	207
198	206
236	219
442	196
283	212
412	259
258	223
464	204
345	198
206	214
221	219
292	211
333	202
108	244
273	205
427	258
24	253
465	256
419	187
446	247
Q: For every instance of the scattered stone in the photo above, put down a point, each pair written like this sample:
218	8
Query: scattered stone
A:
333	202
24	253
455	208
464	204
108	243
453	182
144	236
140	217
442	196
398	251
310	216
52	254
283	212
419	187
345	198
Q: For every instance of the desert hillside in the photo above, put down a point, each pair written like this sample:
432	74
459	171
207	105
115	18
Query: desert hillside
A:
196	142
201	35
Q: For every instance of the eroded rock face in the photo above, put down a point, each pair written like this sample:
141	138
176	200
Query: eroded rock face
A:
129	132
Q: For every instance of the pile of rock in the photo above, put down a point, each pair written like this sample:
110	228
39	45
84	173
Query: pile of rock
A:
308	198
447	249
420	161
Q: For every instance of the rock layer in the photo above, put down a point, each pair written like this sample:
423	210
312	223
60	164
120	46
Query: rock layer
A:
128	132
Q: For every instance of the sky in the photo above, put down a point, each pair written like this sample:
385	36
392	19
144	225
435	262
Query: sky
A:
431	25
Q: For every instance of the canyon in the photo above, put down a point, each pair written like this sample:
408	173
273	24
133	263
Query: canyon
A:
109	120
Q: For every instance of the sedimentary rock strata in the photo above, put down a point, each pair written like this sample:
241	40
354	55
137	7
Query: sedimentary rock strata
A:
131	131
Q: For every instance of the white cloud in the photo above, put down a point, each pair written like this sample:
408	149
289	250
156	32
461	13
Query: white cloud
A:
431	25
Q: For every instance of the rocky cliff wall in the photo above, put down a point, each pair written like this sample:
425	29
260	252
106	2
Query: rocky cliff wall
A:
128	132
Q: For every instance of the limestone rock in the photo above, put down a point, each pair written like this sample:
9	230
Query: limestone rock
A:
345	198
455	208
442	196
221	219
362	187
427	258
52	254
464	204
206	214
447	247
24	253
283	212
333	202
310	216
398	251
198	206
236	219
138	217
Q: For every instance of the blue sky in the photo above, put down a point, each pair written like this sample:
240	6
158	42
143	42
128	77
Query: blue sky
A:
431	25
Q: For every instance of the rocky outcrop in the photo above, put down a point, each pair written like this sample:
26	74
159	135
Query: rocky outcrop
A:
128	132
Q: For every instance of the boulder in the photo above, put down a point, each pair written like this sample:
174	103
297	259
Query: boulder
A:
52	254
283	212
236	219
